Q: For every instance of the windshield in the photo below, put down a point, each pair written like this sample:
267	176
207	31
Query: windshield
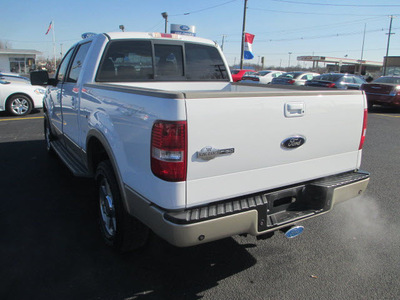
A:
391	80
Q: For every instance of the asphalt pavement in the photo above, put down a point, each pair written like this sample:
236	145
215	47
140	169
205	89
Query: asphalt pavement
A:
50	247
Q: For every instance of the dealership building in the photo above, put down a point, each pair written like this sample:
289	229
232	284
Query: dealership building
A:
344	65
392	64
18	61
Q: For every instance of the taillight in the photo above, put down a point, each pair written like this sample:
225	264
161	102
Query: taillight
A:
168	150
364	129
292	81
331	85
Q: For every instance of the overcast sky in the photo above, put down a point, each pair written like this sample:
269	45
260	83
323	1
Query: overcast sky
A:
332	28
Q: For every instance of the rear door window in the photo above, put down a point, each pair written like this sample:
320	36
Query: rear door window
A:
77	63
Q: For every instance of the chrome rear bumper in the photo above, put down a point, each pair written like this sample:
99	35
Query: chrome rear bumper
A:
254	214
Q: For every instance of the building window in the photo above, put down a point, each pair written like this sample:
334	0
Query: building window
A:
21	65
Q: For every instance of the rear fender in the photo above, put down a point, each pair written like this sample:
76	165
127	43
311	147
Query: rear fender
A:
98	133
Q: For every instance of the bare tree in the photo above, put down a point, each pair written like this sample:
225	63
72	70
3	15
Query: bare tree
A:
5	45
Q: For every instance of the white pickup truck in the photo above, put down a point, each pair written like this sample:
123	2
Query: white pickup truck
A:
176	148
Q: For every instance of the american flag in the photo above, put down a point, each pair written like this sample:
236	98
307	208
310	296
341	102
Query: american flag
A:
48	29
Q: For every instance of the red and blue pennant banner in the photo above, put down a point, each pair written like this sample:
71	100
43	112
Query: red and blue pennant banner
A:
48	29
248	44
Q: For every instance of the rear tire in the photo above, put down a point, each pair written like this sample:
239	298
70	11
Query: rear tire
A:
119	229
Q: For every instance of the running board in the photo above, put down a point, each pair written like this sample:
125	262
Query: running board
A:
75	167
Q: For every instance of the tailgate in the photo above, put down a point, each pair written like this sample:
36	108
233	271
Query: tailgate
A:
242	145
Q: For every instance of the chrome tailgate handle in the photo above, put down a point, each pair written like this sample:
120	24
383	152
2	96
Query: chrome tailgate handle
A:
295	109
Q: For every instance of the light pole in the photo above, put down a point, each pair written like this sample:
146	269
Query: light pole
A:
243	34
362	49
290	53
223	41
165	16
387	47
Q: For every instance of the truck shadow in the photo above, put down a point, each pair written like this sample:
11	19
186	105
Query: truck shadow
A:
385	110
51	247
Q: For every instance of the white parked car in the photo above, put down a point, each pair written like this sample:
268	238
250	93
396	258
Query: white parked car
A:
12	76
264	77
19	97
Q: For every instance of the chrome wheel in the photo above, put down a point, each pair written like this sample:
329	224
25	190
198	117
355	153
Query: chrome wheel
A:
20	106
107	209
119	229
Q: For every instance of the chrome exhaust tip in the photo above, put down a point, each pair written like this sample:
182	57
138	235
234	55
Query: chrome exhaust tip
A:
292	232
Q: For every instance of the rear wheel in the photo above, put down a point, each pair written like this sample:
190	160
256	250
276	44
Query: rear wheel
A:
19	105
119	229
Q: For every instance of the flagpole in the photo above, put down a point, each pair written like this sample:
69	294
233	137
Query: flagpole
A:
243	34
54	46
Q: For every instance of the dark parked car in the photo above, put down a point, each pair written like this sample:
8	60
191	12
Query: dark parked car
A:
338	81
384	90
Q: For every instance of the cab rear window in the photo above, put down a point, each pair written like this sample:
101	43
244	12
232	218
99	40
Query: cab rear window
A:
135	60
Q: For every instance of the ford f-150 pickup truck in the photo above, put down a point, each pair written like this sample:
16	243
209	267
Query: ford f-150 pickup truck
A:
178	149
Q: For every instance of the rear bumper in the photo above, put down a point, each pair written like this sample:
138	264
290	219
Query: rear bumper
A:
254	214
385	100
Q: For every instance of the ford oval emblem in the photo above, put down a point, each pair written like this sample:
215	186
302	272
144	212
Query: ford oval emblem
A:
184	27
293	142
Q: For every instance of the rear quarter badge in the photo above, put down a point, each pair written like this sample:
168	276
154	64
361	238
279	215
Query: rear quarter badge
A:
208	153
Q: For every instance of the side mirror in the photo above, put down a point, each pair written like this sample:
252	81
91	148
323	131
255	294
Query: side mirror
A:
39	78
42	78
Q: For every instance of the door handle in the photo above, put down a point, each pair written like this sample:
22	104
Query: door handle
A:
73	102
